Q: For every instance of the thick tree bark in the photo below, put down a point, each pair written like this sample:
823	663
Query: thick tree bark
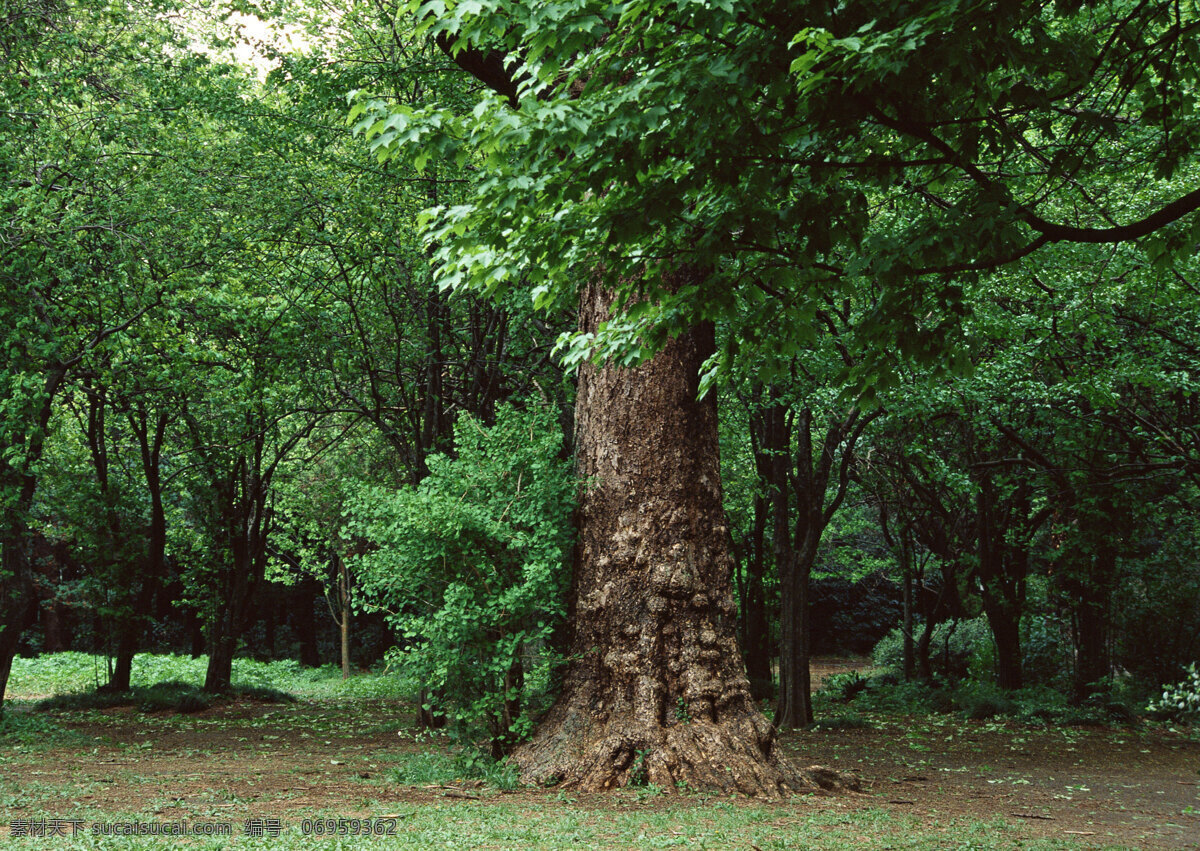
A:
657	691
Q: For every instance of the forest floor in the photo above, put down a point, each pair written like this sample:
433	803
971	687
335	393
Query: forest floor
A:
929	781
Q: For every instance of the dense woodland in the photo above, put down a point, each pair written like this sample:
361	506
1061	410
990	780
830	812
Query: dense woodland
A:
291	349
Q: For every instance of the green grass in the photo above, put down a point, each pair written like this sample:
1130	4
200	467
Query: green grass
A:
424	768
27	729
642	818
72	672
694	823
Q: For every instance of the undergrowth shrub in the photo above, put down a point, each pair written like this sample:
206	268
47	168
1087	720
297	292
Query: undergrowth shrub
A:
1182	699
425	768
966	649
957	648
471	567
1157	624
845	686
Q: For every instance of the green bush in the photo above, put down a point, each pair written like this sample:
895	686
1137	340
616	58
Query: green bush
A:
173	695
845	686
1182	699
1157	624
957	648
471	567
971	652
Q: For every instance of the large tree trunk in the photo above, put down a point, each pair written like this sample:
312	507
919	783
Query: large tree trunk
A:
657	691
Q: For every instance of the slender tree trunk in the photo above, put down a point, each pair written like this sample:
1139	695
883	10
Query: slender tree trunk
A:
769	434
789	627
154	565
902	548
794	706
196	635
657	691
56	617
18	591
758	640
127	644
1092	663
514	682
270	619
219	675
906	556
1001	575
924	650
1006	630
18	600
231	623
304	623
343	579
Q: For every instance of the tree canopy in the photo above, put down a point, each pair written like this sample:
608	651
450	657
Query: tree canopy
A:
793	151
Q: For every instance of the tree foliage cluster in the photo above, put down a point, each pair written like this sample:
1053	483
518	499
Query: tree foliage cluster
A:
219	326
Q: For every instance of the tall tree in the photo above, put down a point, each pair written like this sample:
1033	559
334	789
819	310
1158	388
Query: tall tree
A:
87	252
657	692
626	143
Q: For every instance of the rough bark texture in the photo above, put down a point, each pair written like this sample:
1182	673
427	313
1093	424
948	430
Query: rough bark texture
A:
657	691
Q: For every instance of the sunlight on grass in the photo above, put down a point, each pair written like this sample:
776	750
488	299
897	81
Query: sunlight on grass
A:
72	672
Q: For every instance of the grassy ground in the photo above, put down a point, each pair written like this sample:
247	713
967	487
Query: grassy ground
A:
346	750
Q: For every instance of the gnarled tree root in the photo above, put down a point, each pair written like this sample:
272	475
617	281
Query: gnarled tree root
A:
735	756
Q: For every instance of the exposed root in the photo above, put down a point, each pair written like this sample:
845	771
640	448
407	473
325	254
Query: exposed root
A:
735	757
